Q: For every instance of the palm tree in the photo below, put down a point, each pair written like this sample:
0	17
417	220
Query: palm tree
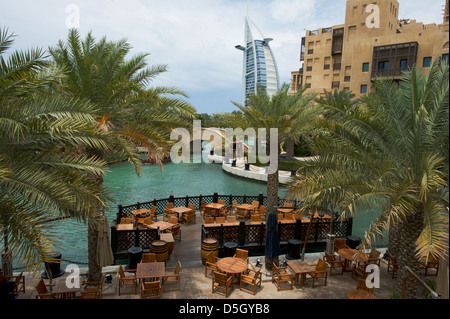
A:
129	111
41	177
290	115
389	150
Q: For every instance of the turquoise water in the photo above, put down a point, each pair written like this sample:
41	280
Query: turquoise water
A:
182	179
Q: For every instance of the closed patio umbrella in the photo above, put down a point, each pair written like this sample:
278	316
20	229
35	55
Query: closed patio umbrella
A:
104	251
272	249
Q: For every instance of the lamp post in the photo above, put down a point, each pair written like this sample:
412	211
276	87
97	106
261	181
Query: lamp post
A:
331	236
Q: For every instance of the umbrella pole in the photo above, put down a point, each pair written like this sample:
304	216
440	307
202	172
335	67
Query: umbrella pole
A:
307	236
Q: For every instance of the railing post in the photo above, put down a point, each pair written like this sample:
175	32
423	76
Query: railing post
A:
349	226
245	199
187	200
171	198
261	199
120	214
298	229
221	236
136	241
241	234
262	231
215	197
138	205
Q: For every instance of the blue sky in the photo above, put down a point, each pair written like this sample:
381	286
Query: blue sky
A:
195	38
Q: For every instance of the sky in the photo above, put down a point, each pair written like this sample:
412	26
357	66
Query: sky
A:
195	38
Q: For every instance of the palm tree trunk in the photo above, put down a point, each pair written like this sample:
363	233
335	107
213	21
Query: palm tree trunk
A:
272	189
290	153
409	231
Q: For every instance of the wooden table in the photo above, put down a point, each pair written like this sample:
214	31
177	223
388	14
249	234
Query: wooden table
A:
232	265
352	255
360	294
300	268
285	210
125	227
150	270
180	210
65	292
216	206
161	224
138	212
246	207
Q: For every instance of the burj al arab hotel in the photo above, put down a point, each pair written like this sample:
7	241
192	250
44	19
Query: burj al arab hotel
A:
260	67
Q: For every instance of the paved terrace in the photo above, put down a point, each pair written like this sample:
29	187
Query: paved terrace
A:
194	284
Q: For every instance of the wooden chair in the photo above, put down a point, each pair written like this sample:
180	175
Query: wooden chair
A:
191	207
172	276
430	263
253	278
231	219
225	211
168	212
126	220
148	258
233	207
173	220
242	254
147	222
334	263
241	213
93	289
280	216
220	220
290	216
209	220
220	201
340	243
154	213
280	275
262	210
176	232
42	291
151	289
319	273
361	285
189	217
392	265
202	207
374	257
256	218
255	205
210	264
127	280
18	281
359	270
222	282
209	212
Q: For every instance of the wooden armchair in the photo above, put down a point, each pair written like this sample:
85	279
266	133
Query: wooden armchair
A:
127	280
262	210
231	219
233	208
359	270
319	273
209	220
290	217
361	285
151	289
172	276
221	201
256	218
334	263
225	211
255	205
126	220
340	243
93	289
222	282
202	207
430	263
211	264
168	212
280	216
176	232
209	212
154	213
280	275
242	254
241	213
191	207
220	220
43	292
374	257
147	222
253	278
18	281
173	220
148	258
189	217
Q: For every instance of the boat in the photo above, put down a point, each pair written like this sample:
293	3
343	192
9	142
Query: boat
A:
151	160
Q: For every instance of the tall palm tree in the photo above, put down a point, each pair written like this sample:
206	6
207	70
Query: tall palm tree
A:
290	115
132	113
41	177
389	151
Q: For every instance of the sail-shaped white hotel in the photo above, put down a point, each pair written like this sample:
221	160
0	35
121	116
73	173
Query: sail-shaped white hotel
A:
260	67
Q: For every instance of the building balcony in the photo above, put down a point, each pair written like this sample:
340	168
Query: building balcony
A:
390	73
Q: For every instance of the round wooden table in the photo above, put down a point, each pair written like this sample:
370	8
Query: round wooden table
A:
360	294
352	255
232	265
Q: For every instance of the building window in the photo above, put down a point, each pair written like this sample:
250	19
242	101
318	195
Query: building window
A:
365	67
403	64
445	58
383	65
363	89
426	62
